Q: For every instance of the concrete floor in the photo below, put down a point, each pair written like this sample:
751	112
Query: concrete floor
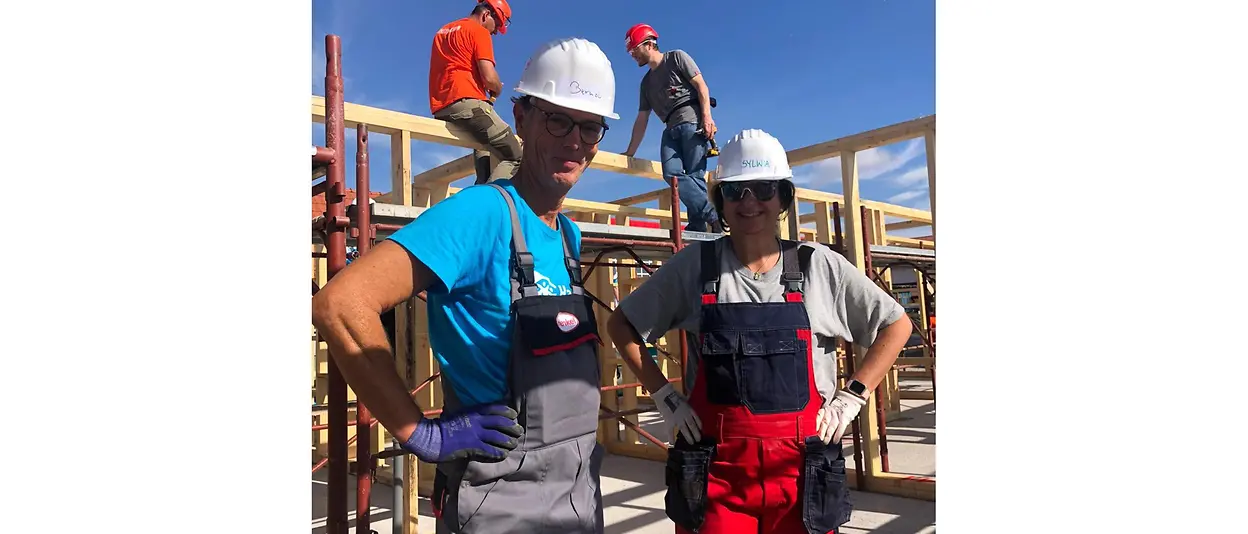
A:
633	489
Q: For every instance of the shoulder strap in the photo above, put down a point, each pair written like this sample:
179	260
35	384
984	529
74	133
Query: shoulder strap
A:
523	279
803	258
570	259
793	276
709	267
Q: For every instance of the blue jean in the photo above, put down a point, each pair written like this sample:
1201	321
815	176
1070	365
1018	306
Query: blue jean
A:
683	153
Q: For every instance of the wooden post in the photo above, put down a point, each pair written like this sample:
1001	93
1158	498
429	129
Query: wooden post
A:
823	223
401	166
929	141
600	285
852	213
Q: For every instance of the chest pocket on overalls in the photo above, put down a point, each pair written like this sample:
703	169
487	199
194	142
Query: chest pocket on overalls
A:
764	370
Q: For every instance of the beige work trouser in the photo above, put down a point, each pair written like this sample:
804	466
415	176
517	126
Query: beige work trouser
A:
481	121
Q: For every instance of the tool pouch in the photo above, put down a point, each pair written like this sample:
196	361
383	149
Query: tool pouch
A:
549	325
687	474
825	492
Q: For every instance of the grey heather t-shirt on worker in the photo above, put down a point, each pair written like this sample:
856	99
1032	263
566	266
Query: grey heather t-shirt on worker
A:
671	299
663	87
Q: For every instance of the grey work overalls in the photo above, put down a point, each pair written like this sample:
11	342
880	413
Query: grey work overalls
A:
549	483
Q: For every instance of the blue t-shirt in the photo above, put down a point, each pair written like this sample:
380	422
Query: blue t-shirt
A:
466	241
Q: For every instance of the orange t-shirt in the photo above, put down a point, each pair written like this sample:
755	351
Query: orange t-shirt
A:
453	64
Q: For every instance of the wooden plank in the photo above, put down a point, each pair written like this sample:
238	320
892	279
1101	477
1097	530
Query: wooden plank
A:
647	451
436	131
906	225
861	141
910	486
850	210
401	169
571	204
643	168
644	197
855	254
907	394
811	195
446	173
824	232
910	242
929	140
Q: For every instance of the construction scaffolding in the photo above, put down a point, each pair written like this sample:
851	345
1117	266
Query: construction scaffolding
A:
617	248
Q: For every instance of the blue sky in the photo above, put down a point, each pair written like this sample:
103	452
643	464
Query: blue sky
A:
802	70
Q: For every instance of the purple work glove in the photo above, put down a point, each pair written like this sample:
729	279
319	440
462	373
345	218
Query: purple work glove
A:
484	432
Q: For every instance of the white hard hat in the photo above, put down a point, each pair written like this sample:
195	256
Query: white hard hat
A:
573	73
752	155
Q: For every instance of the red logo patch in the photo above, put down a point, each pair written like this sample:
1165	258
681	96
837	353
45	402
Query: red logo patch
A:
566	321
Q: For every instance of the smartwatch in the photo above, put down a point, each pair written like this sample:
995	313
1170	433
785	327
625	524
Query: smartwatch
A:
857	388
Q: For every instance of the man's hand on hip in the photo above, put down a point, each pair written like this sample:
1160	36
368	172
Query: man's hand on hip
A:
483	432
677	413
837	415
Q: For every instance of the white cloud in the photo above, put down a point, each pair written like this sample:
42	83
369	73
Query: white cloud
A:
879	161
825	173
907	195
426	156
872	164
912	177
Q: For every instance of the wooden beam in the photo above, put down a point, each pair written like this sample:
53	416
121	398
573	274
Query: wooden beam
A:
401	167
615	209
861	141
644	197
436	131
823	222
644	168
929	139
812	195
911	486
446	173
910	242
906	225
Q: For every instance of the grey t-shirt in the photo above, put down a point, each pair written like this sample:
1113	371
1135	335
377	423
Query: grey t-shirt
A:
840	301
663	86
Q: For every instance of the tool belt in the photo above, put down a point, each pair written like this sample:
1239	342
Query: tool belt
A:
686	102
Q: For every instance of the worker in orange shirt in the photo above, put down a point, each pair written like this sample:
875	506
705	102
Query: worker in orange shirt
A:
463	84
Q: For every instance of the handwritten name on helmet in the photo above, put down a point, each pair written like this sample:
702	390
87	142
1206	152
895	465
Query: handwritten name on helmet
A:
755	163
576	89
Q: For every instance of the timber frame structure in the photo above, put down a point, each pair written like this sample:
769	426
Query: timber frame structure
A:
851	225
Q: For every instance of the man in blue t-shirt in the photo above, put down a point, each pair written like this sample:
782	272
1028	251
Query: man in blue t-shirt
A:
465	241
509	322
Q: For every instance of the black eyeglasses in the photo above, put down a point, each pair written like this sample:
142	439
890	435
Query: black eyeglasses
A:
763	190
560	125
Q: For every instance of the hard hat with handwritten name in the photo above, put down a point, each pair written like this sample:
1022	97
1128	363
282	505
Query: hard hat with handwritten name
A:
752	155
573	73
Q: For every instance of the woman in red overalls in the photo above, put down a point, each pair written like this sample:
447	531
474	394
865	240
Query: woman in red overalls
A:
759	445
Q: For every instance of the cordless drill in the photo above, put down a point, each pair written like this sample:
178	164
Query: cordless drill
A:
714	151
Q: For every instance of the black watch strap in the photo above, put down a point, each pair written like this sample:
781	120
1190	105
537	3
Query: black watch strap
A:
857	388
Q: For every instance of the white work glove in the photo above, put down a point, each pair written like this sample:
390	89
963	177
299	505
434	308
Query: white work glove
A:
837	416
678	413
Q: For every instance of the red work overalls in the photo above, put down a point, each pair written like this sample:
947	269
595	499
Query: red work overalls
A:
761	467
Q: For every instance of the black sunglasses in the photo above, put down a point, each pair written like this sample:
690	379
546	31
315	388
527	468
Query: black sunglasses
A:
560	125
763	190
